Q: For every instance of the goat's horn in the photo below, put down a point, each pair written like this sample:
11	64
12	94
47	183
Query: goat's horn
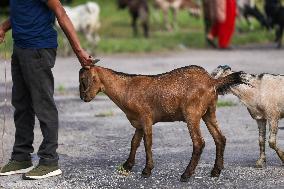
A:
95	61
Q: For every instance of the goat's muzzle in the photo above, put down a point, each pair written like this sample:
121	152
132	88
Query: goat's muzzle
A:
85	87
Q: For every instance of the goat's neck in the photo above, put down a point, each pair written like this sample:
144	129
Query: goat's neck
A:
247	94
114	86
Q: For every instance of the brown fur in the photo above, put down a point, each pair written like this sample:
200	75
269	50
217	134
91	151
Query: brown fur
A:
138	9
186	94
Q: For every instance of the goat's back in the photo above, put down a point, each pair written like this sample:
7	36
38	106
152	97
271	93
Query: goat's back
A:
271	88
168	95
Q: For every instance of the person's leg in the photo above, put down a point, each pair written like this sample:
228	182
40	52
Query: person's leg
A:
24	116
37	73
214	30
212	34
226	29
225	36
24	119
36	65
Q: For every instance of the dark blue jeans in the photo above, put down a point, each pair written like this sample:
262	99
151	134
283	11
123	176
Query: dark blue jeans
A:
32	95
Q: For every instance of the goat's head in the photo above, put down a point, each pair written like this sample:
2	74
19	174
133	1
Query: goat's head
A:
221	71
122	3
90	83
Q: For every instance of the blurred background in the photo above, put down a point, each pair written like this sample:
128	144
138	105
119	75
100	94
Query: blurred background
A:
95	137
113	31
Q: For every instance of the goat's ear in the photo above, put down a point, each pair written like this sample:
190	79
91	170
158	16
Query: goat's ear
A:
95	61
224	67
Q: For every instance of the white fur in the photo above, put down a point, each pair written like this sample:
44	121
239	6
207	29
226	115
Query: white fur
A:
264	98
85	19
176	5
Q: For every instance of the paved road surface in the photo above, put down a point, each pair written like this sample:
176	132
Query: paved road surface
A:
91	146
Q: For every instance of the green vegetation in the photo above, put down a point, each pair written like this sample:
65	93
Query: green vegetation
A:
61	89
122	171
222	103
116	33
105	114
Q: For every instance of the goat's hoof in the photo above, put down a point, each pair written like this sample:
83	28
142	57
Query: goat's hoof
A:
127	166
215	172
146	173
260	164
184	178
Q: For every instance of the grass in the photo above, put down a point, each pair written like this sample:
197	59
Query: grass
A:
116	33
105	114
122	171
61	89
222	103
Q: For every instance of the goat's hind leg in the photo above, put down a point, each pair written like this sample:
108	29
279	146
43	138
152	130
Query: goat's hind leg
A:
273	123
260	163
193	124
220	140
135	143
147	127
144	16
134	24
279	35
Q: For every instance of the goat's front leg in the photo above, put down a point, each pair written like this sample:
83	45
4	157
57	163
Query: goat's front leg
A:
135	143
175	23
167	25
279	34
273	123
144	17
198	145
262	136
134	24
148	149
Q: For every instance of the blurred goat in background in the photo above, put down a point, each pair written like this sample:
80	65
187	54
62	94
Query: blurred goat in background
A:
3	5
138	9
176	5
86	20
247	9
275	17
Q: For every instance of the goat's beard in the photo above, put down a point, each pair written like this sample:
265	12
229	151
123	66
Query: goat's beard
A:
85	97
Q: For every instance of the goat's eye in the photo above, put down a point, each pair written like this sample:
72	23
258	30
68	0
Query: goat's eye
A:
86	83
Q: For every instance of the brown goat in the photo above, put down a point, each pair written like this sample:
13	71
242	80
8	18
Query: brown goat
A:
184	94
138	9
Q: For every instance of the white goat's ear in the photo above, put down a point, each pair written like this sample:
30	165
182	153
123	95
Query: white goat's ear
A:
226	67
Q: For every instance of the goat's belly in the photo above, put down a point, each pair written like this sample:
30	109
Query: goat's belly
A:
170	117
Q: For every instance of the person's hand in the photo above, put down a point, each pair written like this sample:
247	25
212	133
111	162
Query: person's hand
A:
84	58
2	35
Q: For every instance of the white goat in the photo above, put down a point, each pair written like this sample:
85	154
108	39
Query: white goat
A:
264	99
176	5
242	3
86	19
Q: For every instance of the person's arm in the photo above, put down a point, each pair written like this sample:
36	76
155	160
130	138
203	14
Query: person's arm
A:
4	27
68	28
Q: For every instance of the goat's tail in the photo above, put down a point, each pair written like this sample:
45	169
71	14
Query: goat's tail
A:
223	84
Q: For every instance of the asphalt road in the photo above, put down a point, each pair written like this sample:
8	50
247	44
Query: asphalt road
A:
94	138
